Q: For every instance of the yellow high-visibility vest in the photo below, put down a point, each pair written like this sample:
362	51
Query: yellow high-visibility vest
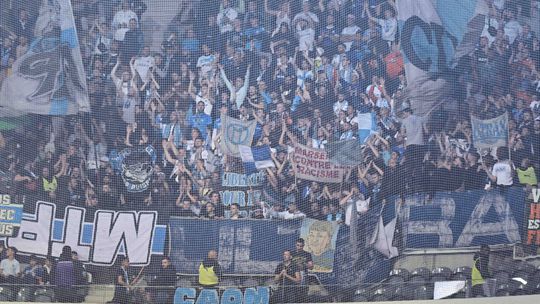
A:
476	276
527	176
207	276
50	186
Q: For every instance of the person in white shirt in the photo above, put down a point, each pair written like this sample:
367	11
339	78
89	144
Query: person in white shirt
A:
225	18
310	17
306	36
122	17
291	213
388	25
350	33
10	269
341	104
205	61
502	173
144	64
512	28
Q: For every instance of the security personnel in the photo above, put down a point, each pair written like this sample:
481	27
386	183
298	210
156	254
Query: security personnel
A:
210	271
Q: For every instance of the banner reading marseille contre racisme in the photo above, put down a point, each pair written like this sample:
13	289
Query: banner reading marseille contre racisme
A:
314	164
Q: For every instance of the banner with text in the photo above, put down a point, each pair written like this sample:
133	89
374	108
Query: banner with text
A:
243	189
99	238
490	133
532	215
314	165
462	219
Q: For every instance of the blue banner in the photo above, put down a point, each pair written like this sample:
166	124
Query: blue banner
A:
256	247
462	219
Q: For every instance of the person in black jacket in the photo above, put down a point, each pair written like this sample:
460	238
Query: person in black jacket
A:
164	282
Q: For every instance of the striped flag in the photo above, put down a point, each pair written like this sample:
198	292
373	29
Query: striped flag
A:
255	158
367	125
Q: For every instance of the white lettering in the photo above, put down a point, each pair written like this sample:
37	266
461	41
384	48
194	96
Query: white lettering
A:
34	235
536	195
476	227
72	234
132	230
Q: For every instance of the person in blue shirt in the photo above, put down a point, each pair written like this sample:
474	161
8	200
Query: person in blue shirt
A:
200	120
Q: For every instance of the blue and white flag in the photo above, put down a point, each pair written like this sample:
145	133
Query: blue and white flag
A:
50	78
490	133
383	236
235	133
367	125
256	158
434	35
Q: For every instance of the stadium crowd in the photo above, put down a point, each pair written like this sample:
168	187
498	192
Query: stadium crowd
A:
303	70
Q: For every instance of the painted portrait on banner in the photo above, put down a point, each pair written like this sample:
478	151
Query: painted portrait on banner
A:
320	237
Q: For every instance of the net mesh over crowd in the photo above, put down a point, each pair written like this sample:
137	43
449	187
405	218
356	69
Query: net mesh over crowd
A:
269	151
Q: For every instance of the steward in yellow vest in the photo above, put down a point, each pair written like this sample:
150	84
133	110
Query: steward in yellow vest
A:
210	271
479	271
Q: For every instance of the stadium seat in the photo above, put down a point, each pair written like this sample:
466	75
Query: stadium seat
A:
462	271
423	293
400	292
503	290
536	289
44	295
502	277
520	289
360	295
463	293
440	274
398	276
6	293
422	272
24	294
380	294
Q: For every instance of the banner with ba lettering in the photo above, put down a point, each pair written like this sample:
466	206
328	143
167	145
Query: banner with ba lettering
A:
462	219
315	165
434	35
490	133
235	133
98	236
50	78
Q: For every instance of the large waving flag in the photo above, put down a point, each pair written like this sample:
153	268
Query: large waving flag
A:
256	158
434	35
383	236
49	79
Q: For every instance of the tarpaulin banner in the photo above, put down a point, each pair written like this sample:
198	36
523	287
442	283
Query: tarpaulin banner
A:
320	237
490	133
98	236
462	219
314	165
